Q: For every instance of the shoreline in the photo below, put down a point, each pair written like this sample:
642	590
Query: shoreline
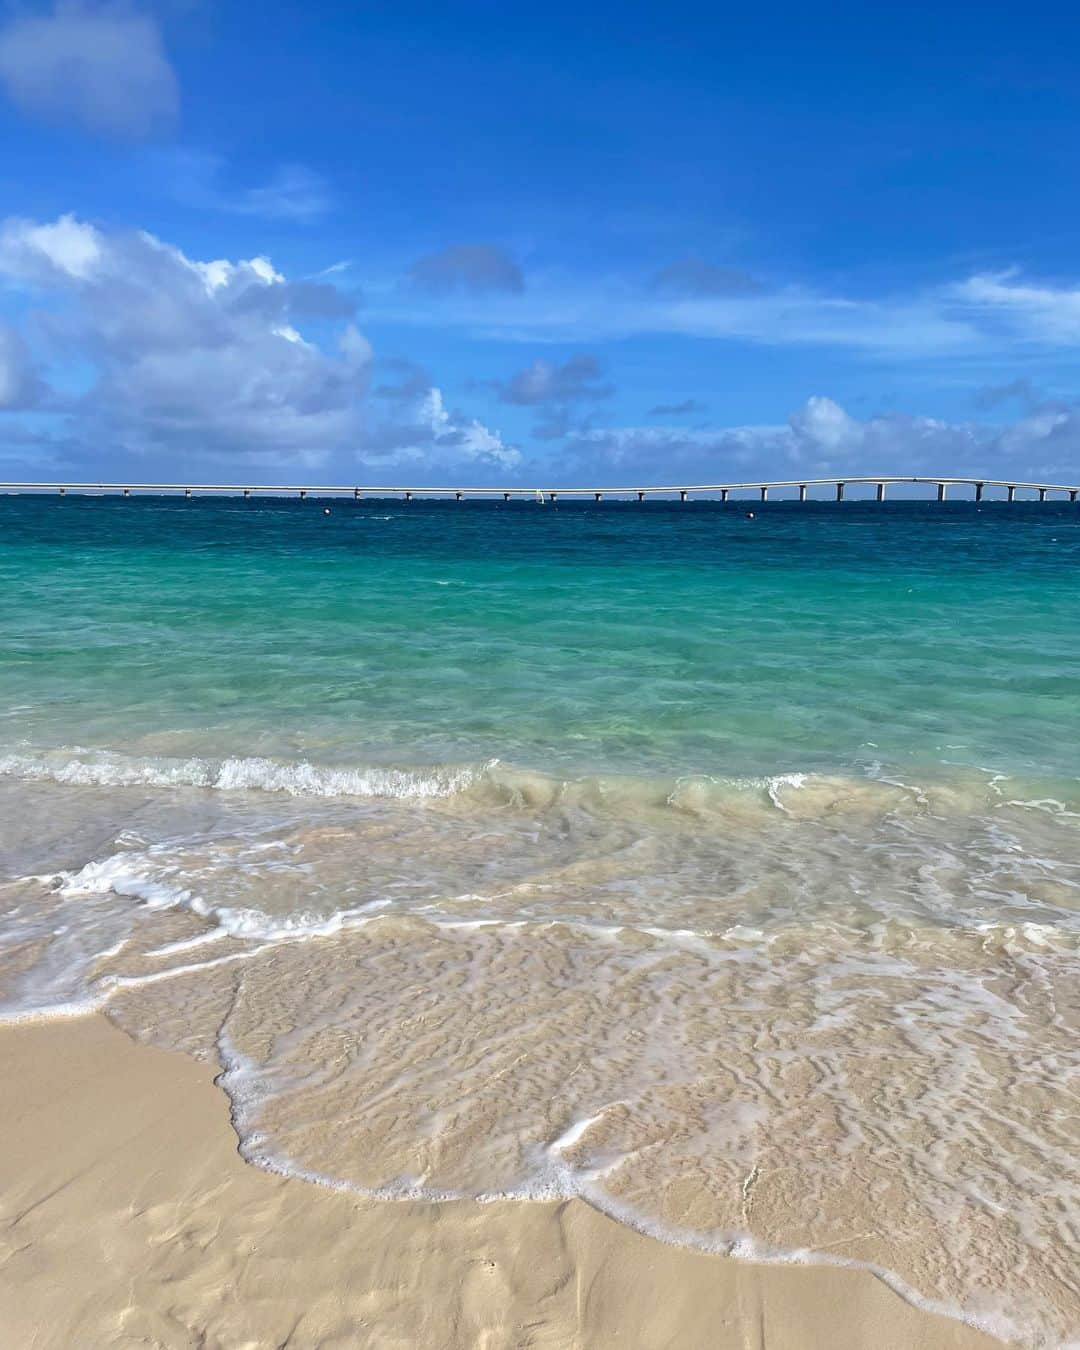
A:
127	1217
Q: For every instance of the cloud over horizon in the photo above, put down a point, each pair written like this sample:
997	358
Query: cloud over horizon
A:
821	438
192	360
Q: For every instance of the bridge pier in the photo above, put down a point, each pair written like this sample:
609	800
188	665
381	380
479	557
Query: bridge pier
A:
598	496
723	494
802	492
1011	492
881	492
765	494
1072	495
506	496
356	494
408	496
641	496
978	492
682	495
941	491
457	496
1042	494
840	492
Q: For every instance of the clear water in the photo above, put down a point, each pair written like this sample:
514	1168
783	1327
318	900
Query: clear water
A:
724	872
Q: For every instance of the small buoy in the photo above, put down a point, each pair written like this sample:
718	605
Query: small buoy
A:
749	515
326	510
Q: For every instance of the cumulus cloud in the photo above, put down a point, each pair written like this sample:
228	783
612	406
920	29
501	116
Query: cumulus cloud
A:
695	277
821	438
195	359
476	268
102	69
575	379
20	385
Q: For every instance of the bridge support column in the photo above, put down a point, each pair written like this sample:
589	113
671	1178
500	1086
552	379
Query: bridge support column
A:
303	494
408	496
942	490
881	492
840	492
127	492
187	492
641	496
506	496
723	494
1011	490
599	496
63	492
978	492
764	494
682	495
247	492
1072	495
356	494
802	492
457	496
1042	494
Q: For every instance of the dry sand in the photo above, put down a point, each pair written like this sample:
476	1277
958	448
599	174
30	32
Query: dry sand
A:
127	1218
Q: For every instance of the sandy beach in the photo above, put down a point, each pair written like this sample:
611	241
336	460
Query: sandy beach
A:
128	1219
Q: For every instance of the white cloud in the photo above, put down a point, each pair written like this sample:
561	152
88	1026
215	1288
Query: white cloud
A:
206	182
20	386
209	360
821	422
980	316
579	310
102	69
67	246
1045	314
820	438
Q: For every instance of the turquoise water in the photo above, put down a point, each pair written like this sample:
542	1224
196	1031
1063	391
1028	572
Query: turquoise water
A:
723	873
573	639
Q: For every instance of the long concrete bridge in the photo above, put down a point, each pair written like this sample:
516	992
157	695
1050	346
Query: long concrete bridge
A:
683	492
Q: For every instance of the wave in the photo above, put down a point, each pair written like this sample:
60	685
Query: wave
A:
237	774
556	1180
803	795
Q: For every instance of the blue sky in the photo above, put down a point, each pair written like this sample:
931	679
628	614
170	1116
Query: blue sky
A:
478	242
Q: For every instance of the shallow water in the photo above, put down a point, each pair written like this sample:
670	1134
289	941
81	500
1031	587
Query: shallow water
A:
725	873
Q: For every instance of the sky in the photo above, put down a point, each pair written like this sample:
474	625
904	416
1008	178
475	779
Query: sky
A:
477	243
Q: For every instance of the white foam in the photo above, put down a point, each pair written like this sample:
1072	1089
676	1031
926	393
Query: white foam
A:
240	774
556	1181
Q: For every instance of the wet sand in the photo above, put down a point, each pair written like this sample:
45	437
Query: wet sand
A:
128	1219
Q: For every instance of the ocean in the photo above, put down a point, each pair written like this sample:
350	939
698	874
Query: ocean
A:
722	872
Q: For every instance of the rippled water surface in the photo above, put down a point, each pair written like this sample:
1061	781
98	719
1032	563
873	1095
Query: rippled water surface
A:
723	872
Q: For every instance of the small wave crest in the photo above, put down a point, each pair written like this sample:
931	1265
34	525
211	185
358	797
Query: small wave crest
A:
239	774
800	795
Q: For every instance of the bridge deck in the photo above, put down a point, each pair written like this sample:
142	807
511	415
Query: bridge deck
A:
683	491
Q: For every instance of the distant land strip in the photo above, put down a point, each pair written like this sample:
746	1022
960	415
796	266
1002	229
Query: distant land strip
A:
707	490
